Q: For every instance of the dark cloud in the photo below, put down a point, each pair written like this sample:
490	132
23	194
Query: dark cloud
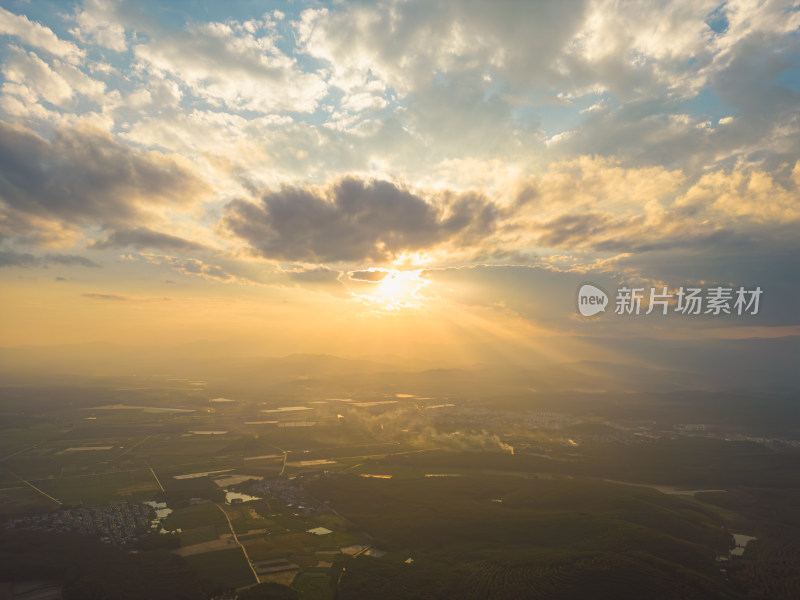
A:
69	260
355	220
646	240
574	229
471	216
143	237
603	232
18	259
540	294
81	176
546	296
10	258
769	264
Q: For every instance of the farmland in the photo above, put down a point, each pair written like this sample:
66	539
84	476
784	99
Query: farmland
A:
455	501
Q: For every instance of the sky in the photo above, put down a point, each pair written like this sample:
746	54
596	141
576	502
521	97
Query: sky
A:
398	177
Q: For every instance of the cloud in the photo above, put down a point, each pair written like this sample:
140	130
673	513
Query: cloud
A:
69	260
618	135
354	220
9	258
18	259
593	204
373	275
500	80
545	295
405	44
39	36
50	188
114	298
94	24
538	293
109	297
585	204
143	237
32	79
746	194
29	79
228	64
191	266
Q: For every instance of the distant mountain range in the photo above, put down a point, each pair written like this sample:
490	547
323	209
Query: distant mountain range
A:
616	365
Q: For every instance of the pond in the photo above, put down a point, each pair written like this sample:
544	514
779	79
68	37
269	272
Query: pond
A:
741	543
161	513
231	496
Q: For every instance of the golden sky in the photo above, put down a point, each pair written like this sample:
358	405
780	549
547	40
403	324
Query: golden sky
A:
399	177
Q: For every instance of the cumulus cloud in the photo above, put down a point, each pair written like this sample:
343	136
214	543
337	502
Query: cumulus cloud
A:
31	80
588	204
592	204
82	176
408	43
469	71
624	136
354	220
236	66
37	35
746	194
95	23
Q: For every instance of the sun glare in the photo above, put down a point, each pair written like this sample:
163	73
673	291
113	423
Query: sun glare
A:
398	289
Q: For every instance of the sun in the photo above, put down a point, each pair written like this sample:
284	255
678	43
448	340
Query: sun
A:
398	289
394	286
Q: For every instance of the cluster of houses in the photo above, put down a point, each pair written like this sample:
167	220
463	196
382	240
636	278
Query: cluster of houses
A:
118	523
290	493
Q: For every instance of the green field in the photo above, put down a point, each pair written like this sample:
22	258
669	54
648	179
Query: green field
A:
561	538
228	566
314	586
191	517
99	488
510	526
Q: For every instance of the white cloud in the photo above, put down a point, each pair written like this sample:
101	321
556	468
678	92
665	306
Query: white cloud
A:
95	24
579	119
226	65
31	79
35	34
470	77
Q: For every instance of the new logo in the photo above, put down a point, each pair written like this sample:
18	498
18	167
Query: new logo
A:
591	300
